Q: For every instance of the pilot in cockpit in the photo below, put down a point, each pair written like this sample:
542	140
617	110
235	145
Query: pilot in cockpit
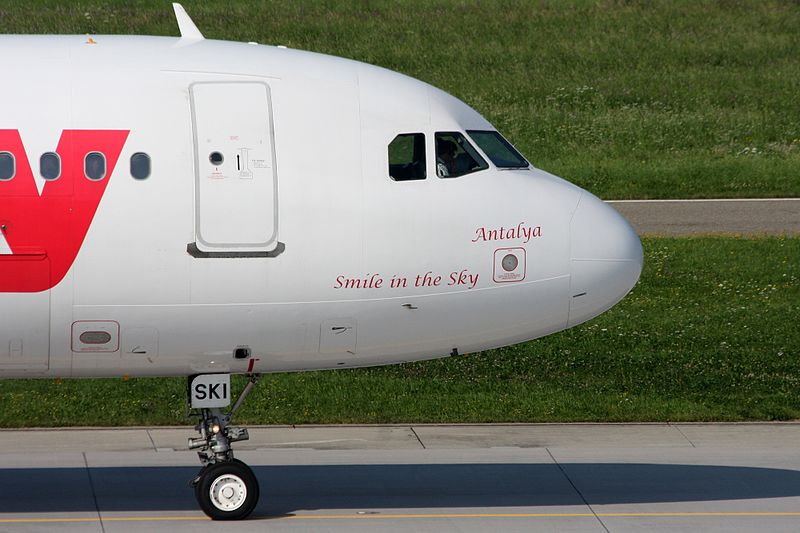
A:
445	158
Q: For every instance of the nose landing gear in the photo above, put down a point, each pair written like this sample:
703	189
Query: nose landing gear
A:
225	488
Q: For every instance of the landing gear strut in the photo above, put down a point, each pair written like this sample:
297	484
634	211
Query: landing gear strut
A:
225	488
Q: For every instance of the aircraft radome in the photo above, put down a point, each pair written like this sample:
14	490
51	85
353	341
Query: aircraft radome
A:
189	207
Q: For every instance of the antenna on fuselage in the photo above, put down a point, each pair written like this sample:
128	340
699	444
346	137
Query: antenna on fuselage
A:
185	24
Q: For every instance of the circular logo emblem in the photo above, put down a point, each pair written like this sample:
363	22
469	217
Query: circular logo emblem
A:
510	262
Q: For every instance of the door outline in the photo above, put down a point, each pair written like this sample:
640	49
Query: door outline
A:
270	248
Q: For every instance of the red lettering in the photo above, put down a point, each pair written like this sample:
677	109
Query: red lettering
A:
371	281
463	278
428	280
398	282
480	235
520	232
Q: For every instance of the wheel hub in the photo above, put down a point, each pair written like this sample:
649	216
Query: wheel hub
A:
228	492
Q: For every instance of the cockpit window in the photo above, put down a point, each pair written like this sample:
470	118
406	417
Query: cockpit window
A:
499	150
407	157
455	156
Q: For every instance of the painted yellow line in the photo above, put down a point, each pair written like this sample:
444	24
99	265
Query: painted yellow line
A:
535	515
96	519
701	514
704	513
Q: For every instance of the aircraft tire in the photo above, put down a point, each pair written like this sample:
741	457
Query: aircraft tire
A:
227	490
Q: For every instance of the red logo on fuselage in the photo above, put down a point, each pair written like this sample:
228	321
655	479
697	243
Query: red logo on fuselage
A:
46	231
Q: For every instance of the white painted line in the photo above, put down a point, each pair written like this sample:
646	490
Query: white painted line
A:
302	442
701	200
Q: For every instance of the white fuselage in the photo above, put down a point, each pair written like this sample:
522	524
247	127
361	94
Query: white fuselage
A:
305	254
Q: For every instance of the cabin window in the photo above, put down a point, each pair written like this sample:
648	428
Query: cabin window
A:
50	166
455	156
407	157
8	166
94	166
499	150
140	166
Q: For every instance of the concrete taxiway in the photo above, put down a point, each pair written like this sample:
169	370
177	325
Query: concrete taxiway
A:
541	477
749	217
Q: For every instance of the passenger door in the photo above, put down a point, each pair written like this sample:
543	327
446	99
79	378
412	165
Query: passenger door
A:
236	193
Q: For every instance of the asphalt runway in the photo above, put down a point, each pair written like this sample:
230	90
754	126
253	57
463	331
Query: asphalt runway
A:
542	477
747	217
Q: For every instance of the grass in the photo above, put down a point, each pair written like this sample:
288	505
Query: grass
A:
710	333
629	99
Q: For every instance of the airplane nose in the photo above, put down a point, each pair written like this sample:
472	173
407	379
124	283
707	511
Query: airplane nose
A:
606	259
